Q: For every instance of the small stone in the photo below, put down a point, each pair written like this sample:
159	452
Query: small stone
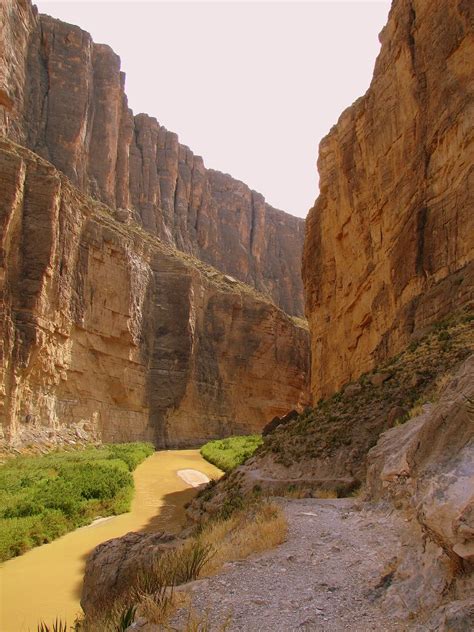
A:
351	390
377	379
259	602
397	412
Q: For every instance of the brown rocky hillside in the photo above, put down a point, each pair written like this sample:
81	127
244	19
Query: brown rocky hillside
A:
325	449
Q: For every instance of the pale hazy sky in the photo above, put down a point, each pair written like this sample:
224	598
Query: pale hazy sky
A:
250	86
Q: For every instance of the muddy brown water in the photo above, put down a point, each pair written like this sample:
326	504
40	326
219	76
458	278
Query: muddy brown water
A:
46	582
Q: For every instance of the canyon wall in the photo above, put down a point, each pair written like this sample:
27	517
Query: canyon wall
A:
103	324
389	243
63	96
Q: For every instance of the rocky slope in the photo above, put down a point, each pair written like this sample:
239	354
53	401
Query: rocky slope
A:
104	326
325	449
411	569
63	96
417	483
389	243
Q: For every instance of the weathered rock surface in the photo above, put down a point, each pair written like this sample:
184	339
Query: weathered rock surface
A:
426	468
325	578
63	96
113	566
389	243
102	323
408	544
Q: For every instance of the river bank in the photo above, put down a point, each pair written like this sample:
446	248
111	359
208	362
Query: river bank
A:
51	575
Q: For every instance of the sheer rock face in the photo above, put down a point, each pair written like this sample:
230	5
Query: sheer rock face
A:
63	96
102	324
394	219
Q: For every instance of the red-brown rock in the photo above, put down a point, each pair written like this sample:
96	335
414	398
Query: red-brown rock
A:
102	324
63	97
389	243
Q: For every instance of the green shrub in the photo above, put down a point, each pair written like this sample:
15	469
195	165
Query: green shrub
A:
44	497
226	454
131	453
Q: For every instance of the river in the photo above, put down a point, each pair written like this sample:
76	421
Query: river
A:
46	582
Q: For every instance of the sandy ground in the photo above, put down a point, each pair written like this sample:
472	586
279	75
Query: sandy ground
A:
193	477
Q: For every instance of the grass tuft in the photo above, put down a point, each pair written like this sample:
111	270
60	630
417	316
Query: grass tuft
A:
57	626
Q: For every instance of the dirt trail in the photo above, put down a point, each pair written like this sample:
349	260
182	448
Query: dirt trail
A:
328	575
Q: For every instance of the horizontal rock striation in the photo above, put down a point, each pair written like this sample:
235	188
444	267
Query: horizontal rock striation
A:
105	326
62	96
389	243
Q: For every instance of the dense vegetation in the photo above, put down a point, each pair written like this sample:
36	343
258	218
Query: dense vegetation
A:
44	497
226	454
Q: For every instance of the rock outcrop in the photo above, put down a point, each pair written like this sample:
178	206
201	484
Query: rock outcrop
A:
426	468
63	96
389	243
113	566
104	325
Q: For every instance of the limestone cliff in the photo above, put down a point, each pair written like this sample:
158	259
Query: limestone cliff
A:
389	243
63	96
101	323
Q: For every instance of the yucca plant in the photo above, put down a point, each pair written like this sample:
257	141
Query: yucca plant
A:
57	626
188	561
126	618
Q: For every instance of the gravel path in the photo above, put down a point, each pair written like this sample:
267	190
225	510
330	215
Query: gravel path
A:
329	575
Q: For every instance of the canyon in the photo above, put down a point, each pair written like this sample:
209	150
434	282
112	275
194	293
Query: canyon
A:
104	324
147	297
63	97
388	269
114	322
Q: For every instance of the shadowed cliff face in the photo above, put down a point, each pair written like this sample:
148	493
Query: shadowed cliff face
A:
103	323
63	96
389	243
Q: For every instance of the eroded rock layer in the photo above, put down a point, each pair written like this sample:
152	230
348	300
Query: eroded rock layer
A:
426	469
63	96
105	326
390	238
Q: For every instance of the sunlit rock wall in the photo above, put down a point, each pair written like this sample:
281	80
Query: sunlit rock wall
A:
102	323
390	241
